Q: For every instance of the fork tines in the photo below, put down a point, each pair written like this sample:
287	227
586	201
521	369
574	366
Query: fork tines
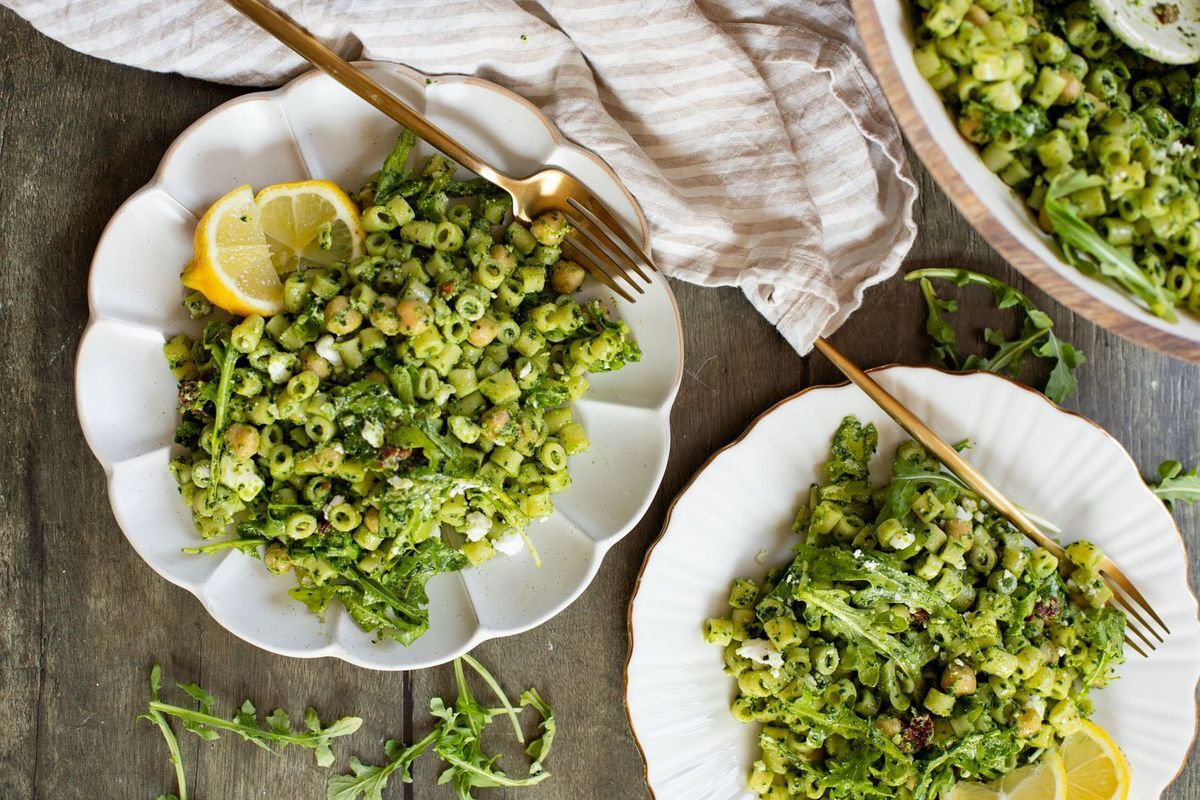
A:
1128	598
602	246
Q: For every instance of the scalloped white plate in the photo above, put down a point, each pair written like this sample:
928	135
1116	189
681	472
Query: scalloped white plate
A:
1051	461
125	395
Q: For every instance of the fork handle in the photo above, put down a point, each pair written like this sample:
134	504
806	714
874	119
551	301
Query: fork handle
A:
315	52
939	447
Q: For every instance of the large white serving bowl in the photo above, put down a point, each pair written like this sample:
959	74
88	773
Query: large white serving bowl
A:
125	394
1053	462
986	201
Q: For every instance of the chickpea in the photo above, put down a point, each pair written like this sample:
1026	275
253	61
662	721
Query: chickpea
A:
1070	93
503	256
958	529
969	126
314	363
328	459
1029	722
415	316
340	317
888	726
384	317
242	441
550	228
371	519
959	680
377	376
977	16
276	559
483	331
566	277
496	422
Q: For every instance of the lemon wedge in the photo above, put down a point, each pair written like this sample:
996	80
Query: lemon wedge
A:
1045	780
243	243
232	263
309	223
1096	767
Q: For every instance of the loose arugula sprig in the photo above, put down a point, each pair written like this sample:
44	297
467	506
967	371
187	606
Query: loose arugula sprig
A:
1175	485
457	739
1037	335
274	737
1092	254
157	718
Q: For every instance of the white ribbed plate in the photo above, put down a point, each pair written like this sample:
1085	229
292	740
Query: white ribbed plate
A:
1055	463
125	396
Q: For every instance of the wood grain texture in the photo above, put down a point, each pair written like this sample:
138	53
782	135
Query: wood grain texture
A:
969	205
82	618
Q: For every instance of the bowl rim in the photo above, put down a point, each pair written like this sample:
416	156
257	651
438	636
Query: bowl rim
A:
601	547
708	462
955	185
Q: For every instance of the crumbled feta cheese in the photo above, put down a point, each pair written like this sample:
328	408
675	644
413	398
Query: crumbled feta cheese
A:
761	557
961	513
372	433
327	349
420	291
762	652
278	370
1178	148
510	543
525	370
857	552
477	526
398	483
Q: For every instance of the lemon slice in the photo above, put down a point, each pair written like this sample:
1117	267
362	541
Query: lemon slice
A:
309	223
1045	780
232	264
1096	768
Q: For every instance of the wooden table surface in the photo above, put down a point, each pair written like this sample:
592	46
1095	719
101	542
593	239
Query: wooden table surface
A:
82	617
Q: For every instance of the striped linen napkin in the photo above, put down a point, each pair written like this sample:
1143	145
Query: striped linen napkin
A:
751	131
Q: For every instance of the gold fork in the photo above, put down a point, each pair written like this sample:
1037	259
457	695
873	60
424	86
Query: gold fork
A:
598	241
1125	594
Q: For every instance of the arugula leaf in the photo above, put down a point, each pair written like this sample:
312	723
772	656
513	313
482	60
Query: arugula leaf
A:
547	393
1062	381
394	604
1092	253
624	349
1037	335
248	545
275	737
539	748
157	718
985	755
457	738
369	782
1175	485
225	356
394	171
856	624
851	450
945	348
842	721
907	479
